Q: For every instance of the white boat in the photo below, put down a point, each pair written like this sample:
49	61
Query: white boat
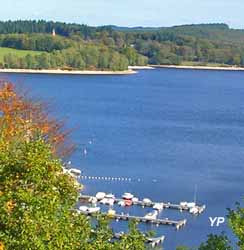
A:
147	201
110	202
158	206
121	203
135	199
83	209
93	210
75	171
191	204
151	216
93	200
155	241
194	210
109	196
100	195
128	196
183	204
65	170
107	201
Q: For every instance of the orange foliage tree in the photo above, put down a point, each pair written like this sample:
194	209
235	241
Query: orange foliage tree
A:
21	117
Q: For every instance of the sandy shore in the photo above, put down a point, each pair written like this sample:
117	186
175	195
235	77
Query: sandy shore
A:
140	67
68	72
199	67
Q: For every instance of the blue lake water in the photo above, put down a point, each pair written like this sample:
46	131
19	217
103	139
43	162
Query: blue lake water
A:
167	129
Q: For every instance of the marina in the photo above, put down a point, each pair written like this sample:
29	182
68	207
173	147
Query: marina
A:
128	200
183	206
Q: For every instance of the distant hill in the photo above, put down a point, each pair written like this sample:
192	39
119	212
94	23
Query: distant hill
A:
139	28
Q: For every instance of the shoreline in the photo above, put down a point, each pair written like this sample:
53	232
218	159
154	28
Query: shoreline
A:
131	70
141	67
68	72
199	67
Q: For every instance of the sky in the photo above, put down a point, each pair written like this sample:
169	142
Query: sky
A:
127	12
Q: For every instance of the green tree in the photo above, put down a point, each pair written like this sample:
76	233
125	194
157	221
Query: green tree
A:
216	242
30	61
131	55
37	199
236	221
182	248
43	61
11	61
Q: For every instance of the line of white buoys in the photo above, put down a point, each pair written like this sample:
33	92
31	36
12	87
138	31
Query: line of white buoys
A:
106	178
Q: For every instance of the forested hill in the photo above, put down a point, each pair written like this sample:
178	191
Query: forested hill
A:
111	47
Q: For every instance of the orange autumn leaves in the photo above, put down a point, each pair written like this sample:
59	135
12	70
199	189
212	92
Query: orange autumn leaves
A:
23	119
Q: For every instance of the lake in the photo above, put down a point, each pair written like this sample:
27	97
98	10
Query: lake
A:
166	129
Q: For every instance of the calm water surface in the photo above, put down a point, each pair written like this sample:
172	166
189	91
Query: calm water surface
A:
166	129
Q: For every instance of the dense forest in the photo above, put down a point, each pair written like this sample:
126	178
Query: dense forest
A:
77	46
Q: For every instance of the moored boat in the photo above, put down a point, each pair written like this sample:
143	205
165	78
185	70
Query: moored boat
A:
110	196
158	206
147	202
128	196
128	202
100	195
152	215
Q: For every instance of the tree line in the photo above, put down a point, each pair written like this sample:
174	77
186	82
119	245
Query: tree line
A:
86	57
201	44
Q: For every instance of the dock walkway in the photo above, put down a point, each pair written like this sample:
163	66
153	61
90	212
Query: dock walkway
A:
157	222
151	204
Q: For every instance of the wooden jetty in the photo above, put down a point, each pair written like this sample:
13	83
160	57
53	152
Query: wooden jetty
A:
126	217
178	224
151	204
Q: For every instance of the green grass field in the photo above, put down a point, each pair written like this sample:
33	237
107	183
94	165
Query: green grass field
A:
18	53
